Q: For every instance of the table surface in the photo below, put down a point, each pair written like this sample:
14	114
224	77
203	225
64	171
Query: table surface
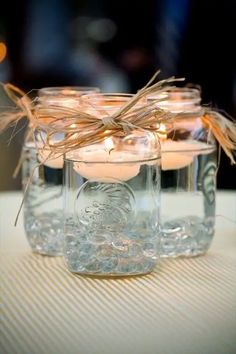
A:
187	305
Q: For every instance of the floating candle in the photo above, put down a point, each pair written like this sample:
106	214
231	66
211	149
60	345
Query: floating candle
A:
179	154
55	162
105	164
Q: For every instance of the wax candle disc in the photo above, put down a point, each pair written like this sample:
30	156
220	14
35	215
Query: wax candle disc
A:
56	162
107	172
174	161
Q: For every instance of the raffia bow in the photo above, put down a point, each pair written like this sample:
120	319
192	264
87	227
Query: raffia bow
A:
81	128
56	118
224	131
11	115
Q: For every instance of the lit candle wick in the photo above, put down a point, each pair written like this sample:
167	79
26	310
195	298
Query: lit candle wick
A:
161	132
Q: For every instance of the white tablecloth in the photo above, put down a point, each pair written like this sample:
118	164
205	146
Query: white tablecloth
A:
184	306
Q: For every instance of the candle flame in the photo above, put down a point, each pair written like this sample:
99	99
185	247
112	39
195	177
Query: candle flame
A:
68	92
109	145
161	131
3	51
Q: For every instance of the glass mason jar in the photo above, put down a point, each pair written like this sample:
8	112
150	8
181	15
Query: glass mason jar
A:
111	202
43	220
188	174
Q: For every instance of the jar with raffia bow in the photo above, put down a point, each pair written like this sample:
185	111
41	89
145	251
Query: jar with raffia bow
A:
111	193
123	133
43	214
188	172
121	138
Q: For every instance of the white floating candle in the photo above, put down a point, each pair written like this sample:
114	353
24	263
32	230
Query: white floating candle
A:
105	164
55	162
179	154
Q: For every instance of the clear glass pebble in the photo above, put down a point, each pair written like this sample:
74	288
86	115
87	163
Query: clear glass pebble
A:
190	234
43	216
113	231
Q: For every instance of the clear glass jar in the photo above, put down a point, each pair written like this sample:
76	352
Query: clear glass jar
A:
188	174
43	204
112	203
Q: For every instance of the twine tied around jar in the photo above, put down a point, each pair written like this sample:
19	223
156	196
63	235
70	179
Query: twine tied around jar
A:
81	128
57	118
224	131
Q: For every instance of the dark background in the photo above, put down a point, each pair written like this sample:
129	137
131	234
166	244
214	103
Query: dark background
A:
118	45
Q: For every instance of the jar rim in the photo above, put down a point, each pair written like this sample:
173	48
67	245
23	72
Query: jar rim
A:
67	91
109	96
107	101
70	159
177	95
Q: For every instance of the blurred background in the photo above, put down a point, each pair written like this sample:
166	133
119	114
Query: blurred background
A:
117	46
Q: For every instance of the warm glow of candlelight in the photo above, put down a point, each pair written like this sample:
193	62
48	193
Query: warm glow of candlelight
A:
45	158
73	125
161	131
3	51
68	92
108	144
106	164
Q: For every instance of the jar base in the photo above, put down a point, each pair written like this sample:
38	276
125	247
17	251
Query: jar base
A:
188	253
44	232
111	275
190	236
47	254
114	272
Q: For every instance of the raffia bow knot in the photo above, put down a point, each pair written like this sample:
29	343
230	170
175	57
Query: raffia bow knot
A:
109	123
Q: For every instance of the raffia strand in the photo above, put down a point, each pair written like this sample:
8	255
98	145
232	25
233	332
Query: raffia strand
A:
224	130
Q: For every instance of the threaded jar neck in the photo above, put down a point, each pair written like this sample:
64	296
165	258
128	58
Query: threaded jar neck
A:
177	100
64	96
